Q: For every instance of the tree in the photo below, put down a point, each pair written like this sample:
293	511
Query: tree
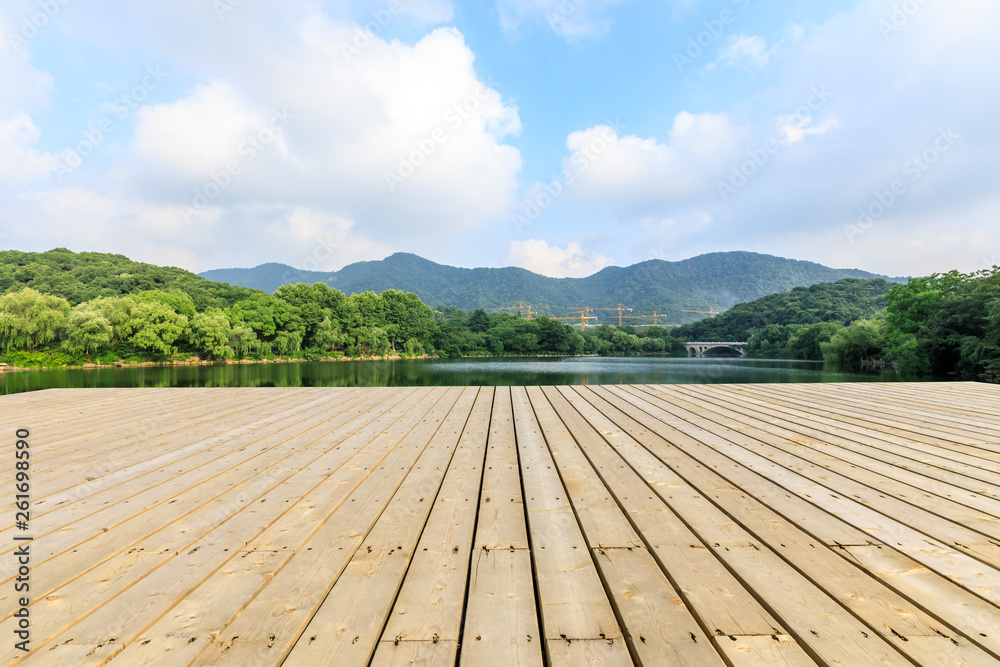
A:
29	319
117	311
314	303
916	334
286	343
553	335
807	343
244	341
88	331
210	333
262	313
479	321
177	301
328	336
856	343
772	341
154	327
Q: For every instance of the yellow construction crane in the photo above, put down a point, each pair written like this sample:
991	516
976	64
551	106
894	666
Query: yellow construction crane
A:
583	315
711	312
620	310
655	317
520	308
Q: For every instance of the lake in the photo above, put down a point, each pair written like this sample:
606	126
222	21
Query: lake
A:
424	372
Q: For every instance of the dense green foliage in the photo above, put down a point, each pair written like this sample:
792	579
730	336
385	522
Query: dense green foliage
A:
98	311
946	322
479	333
60	307
717	280
841	302
79	277
940	324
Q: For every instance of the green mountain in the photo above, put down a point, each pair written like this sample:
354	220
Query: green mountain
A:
717	280
83	276
842	302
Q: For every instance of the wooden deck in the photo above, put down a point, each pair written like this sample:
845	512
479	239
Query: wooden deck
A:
698	525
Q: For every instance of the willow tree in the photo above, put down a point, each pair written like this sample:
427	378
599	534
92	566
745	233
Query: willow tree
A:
89	332
29	319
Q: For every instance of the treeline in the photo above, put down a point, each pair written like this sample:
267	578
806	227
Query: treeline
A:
79	277
947	322
794	324
307	321
297	321
479	333
842	302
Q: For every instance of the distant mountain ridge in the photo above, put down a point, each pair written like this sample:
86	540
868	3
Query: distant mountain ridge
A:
716	280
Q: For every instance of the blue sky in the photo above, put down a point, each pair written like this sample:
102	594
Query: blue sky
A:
558	135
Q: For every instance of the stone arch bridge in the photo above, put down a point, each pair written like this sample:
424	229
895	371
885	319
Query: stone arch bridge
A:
712	349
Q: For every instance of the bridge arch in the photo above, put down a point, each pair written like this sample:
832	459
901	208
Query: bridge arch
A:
717	349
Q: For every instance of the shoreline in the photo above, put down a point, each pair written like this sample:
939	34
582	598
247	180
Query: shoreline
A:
195	361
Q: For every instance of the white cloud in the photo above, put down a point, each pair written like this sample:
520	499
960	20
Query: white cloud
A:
359	110
569	262
637	177
794	128
18	160
397	137
749	51
570	19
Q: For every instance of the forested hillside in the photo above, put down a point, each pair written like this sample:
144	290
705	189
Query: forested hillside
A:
842	302
717	280
59	308
79	277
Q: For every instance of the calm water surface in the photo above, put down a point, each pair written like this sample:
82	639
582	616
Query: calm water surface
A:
547	371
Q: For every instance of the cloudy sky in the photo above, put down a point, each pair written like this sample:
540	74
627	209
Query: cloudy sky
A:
558	135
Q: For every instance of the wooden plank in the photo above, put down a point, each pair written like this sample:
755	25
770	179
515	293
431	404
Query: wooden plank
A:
196	621
907	407
658	623
347	626
163	501
501	508
501	623
117	497
501	617
872	602
757	650
169	564
425	623
719	599
846	467
572	600
886	414
419	653
967	460
270	625
856	504
880	606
